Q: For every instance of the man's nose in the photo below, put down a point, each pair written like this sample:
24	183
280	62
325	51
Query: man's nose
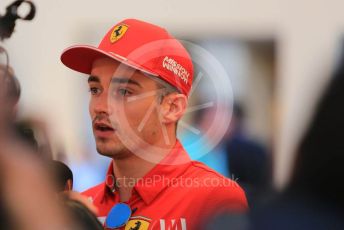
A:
102	105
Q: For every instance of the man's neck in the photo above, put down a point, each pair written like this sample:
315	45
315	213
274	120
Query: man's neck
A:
130	169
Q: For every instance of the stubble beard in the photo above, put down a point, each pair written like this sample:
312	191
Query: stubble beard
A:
115	151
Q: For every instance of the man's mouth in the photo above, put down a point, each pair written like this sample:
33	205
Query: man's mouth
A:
103	129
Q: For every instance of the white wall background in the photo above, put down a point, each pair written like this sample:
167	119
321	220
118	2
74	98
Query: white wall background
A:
308	33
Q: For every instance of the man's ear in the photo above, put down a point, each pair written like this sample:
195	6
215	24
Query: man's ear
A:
69	185
173	107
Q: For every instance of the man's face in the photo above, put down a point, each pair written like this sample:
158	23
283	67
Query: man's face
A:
123	106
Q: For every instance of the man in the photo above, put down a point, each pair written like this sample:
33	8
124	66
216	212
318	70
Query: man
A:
140	78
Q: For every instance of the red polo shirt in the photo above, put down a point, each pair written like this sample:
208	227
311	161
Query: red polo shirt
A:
172	196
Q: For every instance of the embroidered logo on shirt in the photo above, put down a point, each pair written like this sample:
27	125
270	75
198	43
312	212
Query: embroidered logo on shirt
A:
173	224
137	223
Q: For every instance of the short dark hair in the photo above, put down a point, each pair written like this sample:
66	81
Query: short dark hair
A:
83	217
61	174
164	87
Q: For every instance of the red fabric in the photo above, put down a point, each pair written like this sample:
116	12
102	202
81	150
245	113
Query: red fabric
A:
143	46
183	197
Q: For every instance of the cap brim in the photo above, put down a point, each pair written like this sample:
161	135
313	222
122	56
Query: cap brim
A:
81	57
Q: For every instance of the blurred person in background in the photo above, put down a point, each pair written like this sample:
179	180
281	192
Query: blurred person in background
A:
30	184
313	199
28	198
237	155
247	159
80	213
140	77
22	129
62	175
217	157
23	180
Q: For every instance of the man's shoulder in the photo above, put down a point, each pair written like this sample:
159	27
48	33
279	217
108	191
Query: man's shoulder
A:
215	187
202	171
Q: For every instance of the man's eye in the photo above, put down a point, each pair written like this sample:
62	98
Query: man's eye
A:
94	90
124	92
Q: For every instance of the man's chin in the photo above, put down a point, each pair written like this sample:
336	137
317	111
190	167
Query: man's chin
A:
113	150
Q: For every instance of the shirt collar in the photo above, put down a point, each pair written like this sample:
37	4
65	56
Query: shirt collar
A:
159	177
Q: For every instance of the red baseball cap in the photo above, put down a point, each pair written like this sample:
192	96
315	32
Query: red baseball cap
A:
141	45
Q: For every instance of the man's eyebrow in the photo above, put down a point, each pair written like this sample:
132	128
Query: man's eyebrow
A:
125	80
93	79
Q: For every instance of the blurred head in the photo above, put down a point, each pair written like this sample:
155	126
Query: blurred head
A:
126	104
82	217
62	175
319	162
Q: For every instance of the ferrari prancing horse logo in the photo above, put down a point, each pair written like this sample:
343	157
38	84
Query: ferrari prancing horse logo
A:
137	224
118	32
